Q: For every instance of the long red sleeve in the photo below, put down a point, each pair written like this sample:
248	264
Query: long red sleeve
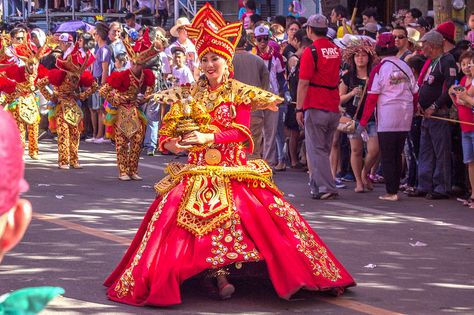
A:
240	130
369	108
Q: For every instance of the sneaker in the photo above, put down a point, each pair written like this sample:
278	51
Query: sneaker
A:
76	166
63	167
101	140
34	156
150	152
339	184
90	140
348	178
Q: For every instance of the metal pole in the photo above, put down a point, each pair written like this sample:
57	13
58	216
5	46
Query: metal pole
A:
176	9
23	9
73	7
47	17
101	7
28	10
5	9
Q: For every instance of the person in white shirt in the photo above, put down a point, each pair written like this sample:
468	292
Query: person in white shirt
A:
181	72
179	31
391	90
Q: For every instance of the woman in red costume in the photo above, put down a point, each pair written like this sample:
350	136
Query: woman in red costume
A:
19	85
219	212
66	116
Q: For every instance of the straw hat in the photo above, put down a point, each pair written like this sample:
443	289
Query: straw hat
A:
413	35
182	21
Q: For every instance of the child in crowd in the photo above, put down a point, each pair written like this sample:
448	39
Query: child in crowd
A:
470	24
120	63
181	72
465	112
250	9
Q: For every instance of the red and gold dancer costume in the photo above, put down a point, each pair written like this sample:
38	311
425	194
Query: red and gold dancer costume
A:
19	85
220	211
66	117
125	122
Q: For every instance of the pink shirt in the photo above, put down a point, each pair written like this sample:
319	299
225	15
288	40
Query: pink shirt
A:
465	112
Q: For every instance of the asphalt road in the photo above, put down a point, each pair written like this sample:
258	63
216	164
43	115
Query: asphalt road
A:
85	218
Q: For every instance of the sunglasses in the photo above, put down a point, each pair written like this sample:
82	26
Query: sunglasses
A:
262	39
19	38
400	36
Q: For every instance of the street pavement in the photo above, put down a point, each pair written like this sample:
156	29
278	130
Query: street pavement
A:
415	256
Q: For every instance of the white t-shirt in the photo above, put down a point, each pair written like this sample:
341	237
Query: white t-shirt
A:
276	67
165	63
191	54
145	3
183	75
395	89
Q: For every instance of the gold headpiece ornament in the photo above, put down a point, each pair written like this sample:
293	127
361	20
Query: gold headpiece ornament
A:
142	51
75	62
213	33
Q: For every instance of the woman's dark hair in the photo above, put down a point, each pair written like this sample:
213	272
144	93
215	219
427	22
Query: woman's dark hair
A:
251	5
255	18
416	63
370	12
299	35
416	13
88	41
340	10
280	19
401	28
102	30
293	22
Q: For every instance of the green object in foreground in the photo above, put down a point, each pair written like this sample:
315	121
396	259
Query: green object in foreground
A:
28	301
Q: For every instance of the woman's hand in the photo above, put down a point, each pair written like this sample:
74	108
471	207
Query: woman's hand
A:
357	91
196	137
175	146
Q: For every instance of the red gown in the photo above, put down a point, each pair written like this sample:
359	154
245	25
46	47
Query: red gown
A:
211	216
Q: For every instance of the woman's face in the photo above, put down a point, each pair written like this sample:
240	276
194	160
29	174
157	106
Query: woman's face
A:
114	33
292	30
213	66
361	59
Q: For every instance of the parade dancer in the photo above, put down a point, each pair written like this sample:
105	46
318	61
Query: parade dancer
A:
66	115
219	213
18	85
125	91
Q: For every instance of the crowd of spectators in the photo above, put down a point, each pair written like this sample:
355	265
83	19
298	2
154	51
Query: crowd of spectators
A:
323	67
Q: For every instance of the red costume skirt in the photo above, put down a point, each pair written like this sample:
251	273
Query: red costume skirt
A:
167	250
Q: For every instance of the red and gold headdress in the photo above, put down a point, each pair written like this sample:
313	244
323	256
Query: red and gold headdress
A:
213	33
29	53
142	51
75	62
